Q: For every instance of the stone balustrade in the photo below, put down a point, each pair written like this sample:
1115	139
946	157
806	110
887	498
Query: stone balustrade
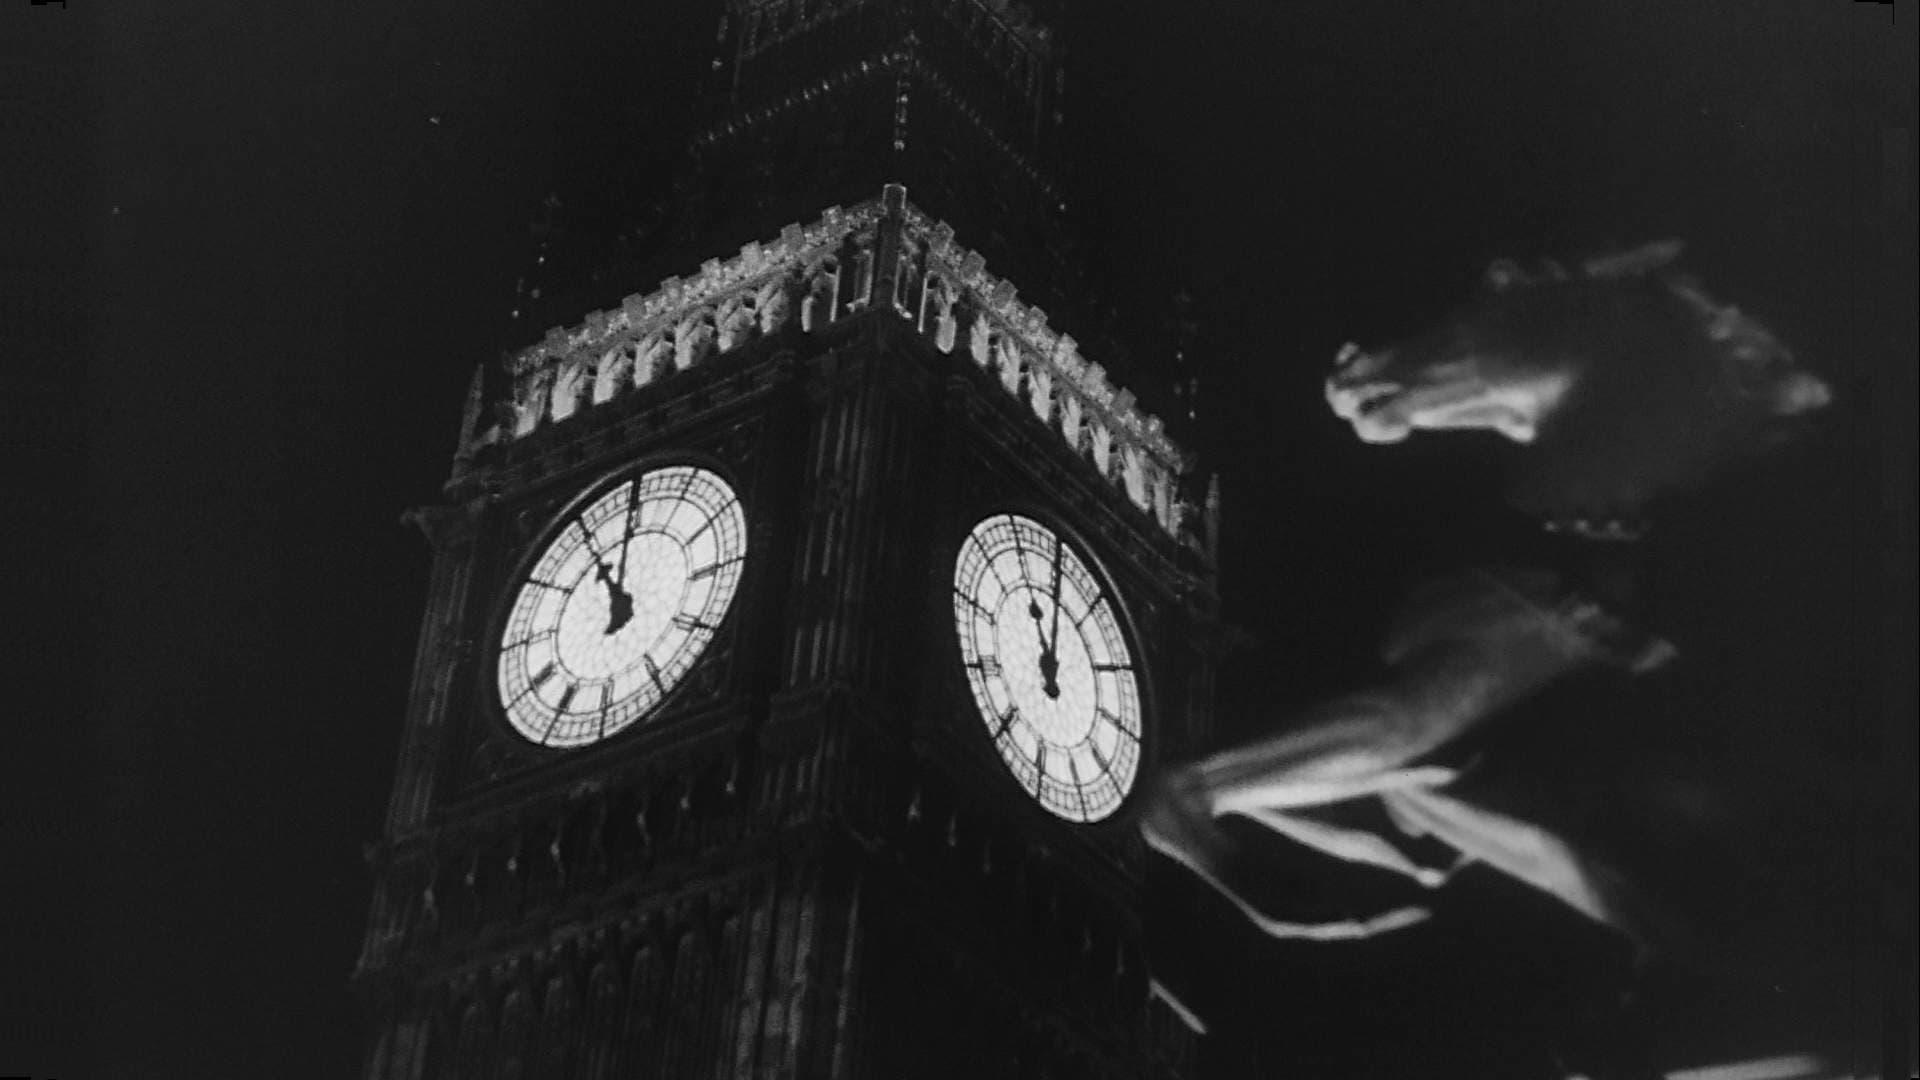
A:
815	275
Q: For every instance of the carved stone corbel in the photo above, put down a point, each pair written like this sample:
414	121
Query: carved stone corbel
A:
443	525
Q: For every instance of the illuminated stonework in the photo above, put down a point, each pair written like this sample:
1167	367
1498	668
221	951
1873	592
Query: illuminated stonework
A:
815	275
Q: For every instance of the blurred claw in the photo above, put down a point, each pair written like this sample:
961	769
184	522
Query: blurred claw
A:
1178	823
1344	930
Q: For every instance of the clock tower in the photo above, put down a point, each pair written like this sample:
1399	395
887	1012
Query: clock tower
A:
801	628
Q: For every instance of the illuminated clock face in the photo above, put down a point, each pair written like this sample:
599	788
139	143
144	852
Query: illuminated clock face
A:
618	607
1048	666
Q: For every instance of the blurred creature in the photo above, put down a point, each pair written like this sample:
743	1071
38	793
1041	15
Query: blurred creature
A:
1623	382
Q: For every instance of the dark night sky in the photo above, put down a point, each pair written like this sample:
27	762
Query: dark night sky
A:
304	222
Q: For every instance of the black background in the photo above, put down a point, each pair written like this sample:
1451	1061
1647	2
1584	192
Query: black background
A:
300	226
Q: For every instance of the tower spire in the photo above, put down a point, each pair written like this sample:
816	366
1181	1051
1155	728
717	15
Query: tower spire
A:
817	103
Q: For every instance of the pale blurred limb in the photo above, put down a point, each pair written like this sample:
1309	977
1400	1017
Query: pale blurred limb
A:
1178	825
1782	1067
1342	930
1158	989
1351	845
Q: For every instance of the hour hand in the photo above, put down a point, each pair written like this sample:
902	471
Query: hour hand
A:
619	601
1049	659
620	611
1040	627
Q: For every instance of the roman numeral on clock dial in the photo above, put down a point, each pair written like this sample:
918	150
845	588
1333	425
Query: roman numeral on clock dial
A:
711	569
1098	757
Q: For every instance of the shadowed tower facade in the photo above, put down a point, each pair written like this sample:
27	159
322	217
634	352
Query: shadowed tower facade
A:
801	628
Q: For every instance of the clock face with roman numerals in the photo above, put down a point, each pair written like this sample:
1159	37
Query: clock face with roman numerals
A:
617	608
1048	666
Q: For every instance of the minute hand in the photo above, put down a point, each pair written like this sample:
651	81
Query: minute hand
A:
620	601
1049	654
1039	629
626	541
1053	638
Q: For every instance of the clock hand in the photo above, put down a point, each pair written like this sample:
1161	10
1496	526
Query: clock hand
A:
626	540
1053	638
1039	627
619	603
1049	666
1049	663
1049	640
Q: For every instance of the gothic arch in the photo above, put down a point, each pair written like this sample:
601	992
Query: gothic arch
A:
600	1046
514	1039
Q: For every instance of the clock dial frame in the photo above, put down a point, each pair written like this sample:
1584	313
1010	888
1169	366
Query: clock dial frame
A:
626	592
1049	666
